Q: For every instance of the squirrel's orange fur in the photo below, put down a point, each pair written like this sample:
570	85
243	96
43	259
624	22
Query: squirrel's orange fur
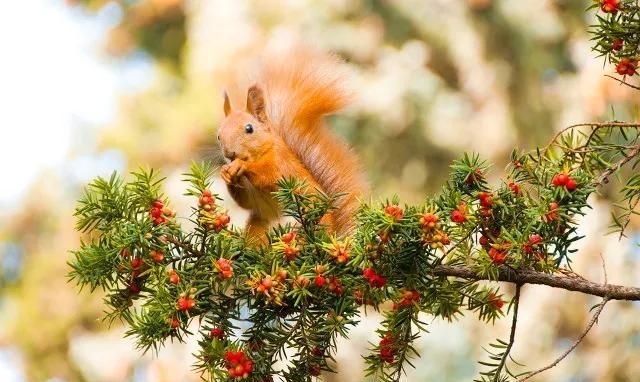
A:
282	134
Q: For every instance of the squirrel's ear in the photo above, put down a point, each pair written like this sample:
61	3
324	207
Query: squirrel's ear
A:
255	103
227	105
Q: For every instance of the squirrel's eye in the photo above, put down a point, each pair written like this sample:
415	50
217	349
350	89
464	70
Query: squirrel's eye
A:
248	128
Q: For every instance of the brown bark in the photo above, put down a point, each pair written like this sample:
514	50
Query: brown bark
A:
571	283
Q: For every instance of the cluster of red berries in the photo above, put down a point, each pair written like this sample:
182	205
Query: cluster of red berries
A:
159	213
290	249
486	202
627	66
387	350
375	280
459	215
137	266
532	243
186	301
496	301
217	333
219	222
272	287
238	365
409	297
265	285
394	211
224	267
610	6
431	233
206	201
209	218
564	180
498	252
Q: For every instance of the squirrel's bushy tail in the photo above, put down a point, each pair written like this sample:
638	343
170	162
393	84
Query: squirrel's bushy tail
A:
301	87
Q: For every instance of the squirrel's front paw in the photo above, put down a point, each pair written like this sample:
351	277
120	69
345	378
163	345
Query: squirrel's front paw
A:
231	172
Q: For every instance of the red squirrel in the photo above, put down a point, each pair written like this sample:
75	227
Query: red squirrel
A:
282	133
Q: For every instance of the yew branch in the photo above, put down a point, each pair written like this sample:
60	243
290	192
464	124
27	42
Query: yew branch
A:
575	284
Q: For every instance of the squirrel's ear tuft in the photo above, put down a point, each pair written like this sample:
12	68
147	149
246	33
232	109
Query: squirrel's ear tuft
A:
255	103
227	105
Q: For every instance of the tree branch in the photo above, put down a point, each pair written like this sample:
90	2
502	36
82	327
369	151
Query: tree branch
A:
512	336
593	320
184	246
612	292
623	82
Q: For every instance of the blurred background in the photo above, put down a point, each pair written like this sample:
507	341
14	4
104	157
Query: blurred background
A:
92	86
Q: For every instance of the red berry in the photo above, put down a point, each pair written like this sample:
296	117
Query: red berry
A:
610	6
217	333
267	282
288	237
535	239
552	214
319	281
134	288
515	188
175	323
174	278
617	44
484	241
497	256
290	252
377	281
496	301
571	184
157	204
394	211
314	370
136	263
486	199
335	286
458	216
157	256
185	303
368	272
